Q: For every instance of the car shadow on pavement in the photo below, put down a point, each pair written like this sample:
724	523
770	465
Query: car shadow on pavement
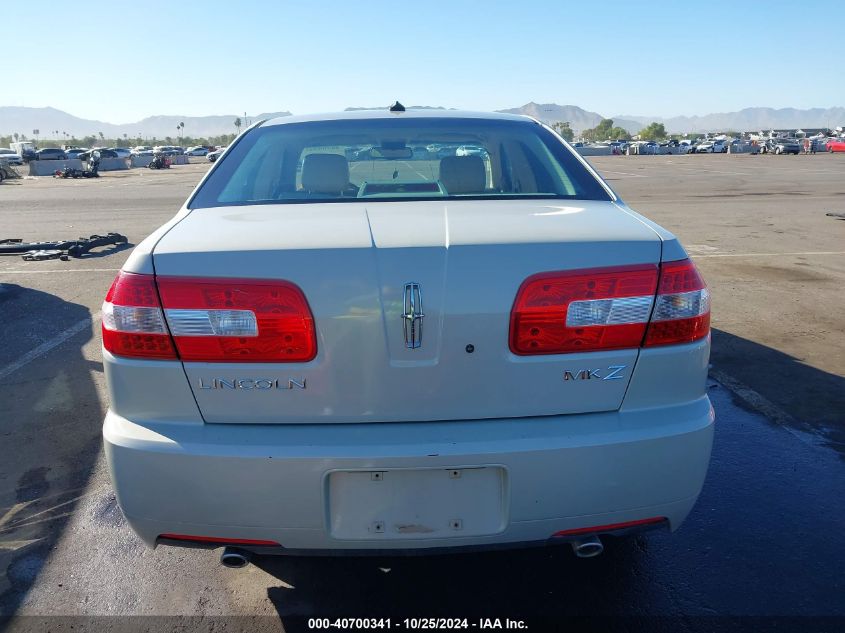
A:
50	420
813	400
105	251
536	582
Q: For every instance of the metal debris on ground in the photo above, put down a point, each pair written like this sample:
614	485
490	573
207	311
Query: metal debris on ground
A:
36	251
7	172
37	256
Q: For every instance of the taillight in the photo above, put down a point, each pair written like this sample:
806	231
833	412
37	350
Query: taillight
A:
236	320
210	320
609	308
682	308
582	310
133	323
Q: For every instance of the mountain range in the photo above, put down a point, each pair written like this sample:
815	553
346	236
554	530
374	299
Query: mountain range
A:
49	120
745	120
579	118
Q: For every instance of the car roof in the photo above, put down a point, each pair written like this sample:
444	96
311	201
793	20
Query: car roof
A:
410	113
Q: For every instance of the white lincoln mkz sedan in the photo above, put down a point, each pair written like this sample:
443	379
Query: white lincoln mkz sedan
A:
355	336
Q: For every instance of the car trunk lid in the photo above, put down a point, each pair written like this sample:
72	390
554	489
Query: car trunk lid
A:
354	262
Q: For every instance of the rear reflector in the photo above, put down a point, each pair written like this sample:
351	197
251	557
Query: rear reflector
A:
611	527
221	541
583	310
210	320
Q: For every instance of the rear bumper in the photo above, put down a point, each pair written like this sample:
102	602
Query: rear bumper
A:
271	483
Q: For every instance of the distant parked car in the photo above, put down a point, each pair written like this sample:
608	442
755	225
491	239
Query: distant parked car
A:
104	153
196	151
142	150
833	145
712	147
213	156
122	152
686	147
26	149
782	146
74	153
168	150
470	150
50	153
10	156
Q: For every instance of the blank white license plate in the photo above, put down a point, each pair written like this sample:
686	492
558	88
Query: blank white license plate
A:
417	503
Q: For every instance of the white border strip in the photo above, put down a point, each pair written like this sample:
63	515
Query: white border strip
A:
705	255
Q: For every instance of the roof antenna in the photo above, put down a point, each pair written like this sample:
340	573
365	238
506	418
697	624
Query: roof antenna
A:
396	107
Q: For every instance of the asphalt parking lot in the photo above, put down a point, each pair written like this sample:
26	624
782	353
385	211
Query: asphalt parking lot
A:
764	540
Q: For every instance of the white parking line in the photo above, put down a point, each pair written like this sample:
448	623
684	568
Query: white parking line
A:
827	172
768	254
622	173
47	346
715	171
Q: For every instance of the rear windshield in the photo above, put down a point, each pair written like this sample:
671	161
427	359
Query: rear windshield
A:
396	159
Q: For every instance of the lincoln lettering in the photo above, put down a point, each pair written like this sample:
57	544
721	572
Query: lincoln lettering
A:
252	384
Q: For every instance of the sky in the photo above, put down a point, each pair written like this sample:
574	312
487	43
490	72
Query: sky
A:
126	60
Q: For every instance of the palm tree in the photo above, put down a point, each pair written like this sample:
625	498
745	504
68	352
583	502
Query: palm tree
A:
238	123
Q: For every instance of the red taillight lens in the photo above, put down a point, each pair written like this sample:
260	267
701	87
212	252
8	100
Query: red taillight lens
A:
219	540
583	310
235	320
610	308
682	307
210	320
612	527
133	323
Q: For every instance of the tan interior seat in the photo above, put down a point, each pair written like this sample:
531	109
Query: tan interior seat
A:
325	173
463	174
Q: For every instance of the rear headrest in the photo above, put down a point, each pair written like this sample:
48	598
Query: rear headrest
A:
325	173
463	174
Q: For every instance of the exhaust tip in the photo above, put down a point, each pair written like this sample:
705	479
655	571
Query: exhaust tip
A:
234	559
588	547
